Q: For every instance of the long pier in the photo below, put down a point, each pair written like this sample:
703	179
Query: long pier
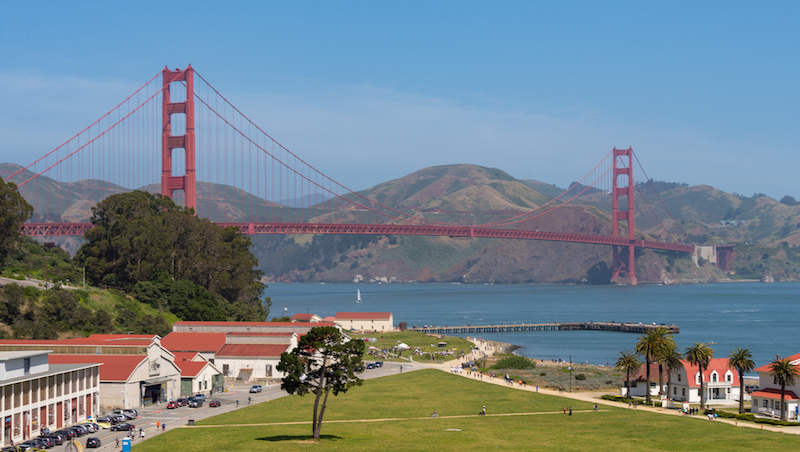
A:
639	328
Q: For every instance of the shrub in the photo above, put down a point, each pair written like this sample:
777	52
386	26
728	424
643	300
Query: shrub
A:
514	362
580	377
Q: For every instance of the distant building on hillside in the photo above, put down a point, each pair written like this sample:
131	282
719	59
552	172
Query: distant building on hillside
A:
309	318
366	321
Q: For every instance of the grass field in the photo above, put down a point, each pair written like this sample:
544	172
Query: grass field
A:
414	339
393	413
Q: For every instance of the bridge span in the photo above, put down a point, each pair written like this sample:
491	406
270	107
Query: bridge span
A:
639	328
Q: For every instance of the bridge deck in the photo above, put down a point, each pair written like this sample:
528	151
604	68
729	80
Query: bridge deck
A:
639	328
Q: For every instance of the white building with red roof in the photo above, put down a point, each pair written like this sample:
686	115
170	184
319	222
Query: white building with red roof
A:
304	317
135	369
720	382
366	321
37	394
198	374
767	400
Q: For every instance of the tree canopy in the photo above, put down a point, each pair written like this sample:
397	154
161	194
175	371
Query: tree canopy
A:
14	210
325	359
140	238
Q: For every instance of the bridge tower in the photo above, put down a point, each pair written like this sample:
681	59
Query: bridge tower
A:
169	143
623	265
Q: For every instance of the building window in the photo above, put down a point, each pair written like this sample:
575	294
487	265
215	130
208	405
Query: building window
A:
633	384
729	377
683	392
226	370
765	403
27	365
674	391
679	376
269	370
714	377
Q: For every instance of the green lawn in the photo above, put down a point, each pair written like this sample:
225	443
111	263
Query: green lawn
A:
414	339
408	399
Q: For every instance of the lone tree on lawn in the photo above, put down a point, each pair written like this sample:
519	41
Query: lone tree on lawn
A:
325	359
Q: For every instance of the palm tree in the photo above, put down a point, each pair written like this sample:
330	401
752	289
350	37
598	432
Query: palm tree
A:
629	362
700	355
670	357
740	359
649	346
783	373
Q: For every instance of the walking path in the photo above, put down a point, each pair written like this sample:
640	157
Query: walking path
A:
488	348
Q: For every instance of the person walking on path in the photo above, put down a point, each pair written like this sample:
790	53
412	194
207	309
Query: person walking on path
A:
117	443
141	432
163	426
483	411
158	424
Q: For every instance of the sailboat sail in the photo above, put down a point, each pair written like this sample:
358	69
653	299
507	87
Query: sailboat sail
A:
358	295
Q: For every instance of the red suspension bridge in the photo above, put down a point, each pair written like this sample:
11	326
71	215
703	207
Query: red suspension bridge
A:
217	161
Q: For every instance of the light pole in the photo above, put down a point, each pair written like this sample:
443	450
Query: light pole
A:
570	373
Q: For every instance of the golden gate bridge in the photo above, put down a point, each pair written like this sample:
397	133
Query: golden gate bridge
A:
219	163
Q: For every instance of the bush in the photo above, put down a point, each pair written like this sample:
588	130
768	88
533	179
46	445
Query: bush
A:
580	377
514	362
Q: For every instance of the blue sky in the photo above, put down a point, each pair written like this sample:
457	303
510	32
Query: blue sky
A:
705	92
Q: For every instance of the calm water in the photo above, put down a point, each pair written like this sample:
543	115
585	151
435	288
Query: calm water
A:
761	317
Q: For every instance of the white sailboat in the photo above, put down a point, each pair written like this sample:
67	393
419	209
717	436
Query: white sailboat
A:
358	295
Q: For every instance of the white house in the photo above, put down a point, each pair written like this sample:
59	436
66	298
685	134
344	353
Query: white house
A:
720	382
639	382
767	400
366	321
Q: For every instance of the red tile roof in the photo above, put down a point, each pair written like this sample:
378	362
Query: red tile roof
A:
81	341
363	315
641	374
189	323
772	393
234	333
716	364
193	342
252	350
113	368
303	317
188	367
794	358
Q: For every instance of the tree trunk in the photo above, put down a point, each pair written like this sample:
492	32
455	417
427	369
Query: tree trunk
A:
628	384
702	389
647	390
660	380
741	391
322	412
783	401
315	424
669	383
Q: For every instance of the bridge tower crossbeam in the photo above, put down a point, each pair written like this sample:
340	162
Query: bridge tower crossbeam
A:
623	260
169	143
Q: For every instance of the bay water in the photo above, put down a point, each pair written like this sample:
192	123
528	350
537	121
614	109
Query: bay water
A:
762	317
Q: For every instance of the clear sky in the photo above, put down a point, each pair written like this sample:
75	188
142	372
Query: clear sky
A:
705	92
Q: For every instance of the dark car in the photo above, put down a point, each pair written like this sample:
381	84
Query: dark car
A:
68	433
92	442
79	430
183	401
123	427
194	402
56	437
214	403
46	443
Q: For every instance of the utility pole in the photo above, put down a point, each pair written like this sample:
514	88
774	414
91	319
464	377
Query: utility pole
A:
570	373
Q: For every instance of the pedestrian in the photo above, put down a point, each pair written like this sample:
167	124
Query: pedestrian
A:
537	388
237	403
158	424
163	426
248	400
117	443
141	432
570	411
401	368
595	407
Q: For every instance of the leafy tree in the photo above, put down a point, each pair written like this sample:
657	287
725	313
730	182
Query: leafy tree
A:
325	359
700	355
741	360
139	237
629	362
14	210
285	318
649	346
789	200
670	357
783	373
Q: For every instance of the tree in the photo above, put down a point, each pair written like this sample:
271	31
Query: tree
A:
789	200
649	346
783	373
14	210
325	359
741	360
670	357
700	354
629	362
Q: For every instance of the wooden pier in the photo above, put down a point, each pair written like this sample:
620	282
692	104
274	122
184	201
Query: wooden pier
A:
639	328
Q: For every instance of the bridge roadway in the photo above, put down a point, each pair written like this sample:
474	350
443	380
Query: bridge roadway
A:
639	328
56	229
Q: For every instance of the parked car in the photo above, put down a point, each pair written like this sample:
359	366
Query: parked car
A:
90	426
79	430
56	437
172	405
129	414
123	427
46	443
200	396
256	388
183	401
104	424
68	434
378	363
92	442
214	404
